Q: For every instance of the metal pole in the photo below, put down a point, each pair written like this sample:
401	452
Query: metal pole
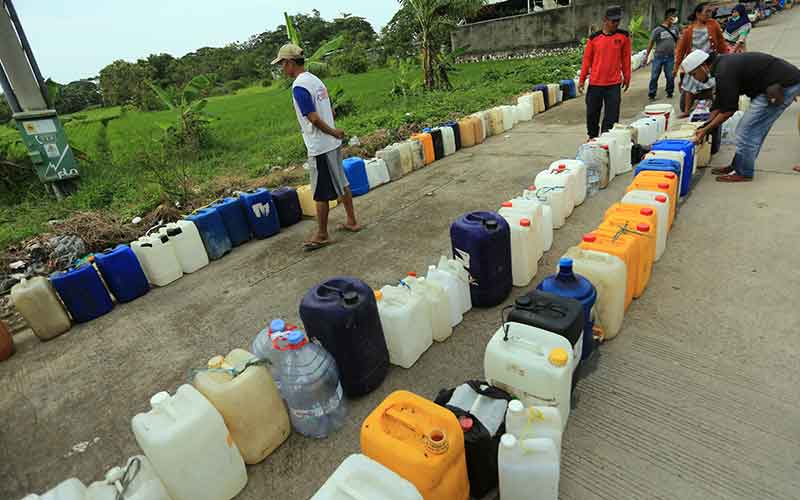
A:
12	13
529	6
9	92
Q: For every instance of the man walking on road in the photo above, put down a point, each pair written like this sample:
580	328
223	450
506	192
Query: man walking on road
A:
772	85
664	38
323	141
607	63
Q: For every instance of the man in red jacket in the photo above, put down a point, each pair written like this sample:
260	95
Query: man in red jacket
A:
607	63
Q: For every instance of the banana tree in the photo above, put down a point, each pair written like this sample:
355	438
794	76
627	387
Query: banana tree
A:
314	63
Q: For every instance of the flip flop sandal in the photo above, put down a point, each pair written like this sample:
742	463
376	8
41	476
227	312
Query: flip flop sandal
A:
342	227
316	245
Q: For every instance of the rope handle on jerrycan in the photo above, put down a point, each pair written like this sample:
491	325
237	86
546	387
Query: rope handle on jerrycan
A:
122	484
232	371
623	229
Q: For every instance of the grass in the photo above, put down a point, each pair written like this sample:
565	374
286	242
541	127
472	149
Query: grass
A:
255	130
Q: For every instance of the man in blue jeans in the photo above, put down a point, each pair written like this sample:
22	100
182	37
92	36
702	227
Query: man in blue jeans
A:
664	38
772	85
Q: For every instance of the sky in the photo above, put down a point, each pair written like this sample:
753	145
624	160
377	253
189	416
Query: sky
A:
74	39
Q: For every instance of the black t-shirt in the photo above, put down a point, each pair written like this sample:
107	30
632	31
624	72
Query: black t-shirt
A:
749	74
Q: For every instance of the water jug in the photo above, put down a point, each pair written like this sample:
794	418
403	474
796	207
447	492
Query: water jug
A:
528	465
137	479
597	159
616	161
479	128
71	489
356	174
448	139
496	121
525	249
689	163
569	88
243	392
212	231
427	146
438	142
483	126
546	220
662	161
545	91
417	154
421	442
262	214
642	242
665	110
270	344
655	200
436	299
574	286
533	365
702	152
342	313
157	256
82	292
668	187
122	273
635	214
625	133
234	218
552	94
534	422
7	348
553	313
456	133
186	429
467	132
406	156
307	203
486	121
560	181
482	240
454	272
188	245
377	173
393	162
646	131
311	386
626	249
609	276
407	324
576	170
508	117
621	155
452	286
287	204
37	302
531	210
361	478
526	106
480	409
556	197
539	102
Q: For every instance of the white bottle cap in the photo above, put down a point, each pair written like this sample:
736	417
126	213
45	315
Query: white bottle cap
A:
516	406
159	399
508	441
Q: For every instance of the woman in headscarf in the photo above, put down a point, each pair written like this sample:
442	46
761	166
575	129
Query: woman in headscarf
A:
703	34
737	30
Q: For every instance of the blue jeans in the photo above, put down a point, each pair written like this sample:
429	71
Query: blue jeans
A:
665	63
754	127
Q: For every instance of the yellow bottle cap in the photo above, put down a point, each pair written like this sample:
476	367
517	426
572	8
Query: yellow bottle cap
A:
216	362
378	295
558	357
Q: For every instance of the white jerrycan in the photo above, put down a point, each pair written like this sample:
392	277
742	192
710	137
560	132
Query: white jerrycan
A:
616	163
656	199
361	478
533	365
556	198
534	422
678	156
188	245
610	277
532	210
377	172
406	324
508	117
623	153
137	479
433	294
189	446
452	288
526	466
71	489
525	249
157	256
449	140
547	182
456	269
546	221
576	170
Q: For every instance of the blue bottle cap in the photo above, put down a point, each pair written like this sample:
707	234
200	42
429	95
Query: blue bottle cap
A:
296	337
277	325
427	130
565	263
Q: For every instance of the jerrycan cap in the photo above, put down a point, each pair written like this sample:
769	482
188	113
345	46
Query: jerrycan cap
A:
661	198
663	185
590	238
508	441
296	339
159	399
562	166
506	204
277	325
411	274
516	406
643	227
490	224
523	301
669	175
378	295
558	357
565	265
216	362
525	222
532	187
466	423
646	211
350	298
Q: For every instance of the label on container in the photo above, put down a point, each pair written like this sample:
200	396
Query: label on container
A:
323	408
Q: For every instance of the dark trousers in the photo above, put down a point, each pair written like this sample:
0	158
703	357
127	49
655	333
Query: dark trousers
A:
665	64
598	97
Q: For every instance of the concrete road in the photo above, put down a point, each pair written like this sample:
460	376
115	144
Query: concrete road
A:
696	399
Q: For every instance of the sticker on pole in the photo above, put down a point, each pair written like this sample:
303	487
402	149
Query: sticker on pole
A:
40	127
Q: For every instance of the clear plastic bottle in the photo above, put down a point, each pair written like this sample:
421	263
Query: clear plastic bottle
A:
311	387
263	346
593	167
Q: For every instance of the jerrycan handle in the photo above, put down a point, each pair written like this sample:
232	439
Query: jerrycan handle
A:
398	416
532	347
346	488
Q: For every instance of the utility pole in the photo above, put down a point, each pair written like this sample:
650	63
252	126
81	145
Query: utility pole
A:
29	100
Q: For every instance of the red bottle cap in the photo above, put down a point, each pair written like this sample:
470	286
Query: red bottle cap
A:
643	227
661	198
507	204
604	146
525	222
466	423
531	188
646	211
663	185
669	176
590	238
412	274
562	166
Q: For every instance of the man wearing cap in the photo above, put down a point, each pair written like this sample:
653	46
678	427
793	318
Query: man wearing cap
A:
323	142
772	85
607	62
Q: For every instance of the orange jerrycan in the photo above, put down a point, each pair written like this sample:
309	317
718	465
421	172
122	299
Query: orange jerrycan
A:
480	133
466	129
626	249
659	181
623	229
420	441
639	213
427	146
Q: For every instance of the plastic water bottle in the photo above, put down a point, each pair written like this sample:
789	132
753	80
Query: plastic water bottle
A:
701	112
263	347
586	155
311	387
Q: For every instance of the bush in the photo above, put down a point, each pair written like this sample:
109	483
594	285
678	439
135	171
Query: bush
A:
235	85
218	91
354	61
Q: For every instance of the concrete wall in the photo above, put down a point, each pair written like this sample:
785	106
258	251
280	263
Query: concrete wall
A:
554	27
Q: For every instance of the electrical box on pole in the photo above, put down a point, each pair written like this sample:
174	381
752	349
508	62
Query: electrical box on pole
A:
27	96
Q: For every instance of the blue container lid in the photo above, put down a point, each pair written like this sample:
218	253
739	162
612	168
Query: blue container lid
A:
427	130
568	284
296	337
277	325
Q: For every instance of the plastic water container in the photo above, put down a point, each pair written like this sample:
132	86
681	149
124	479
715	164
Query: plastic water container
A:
545	91
480	128
262	215
655	200
426	141
394	165
533	365
82	292
482	241
539	101
235	219
122	273
665	110
525	248
528	465
407	324
563	316
553	192
486	122
342	314
609	276
417	154
687	147
616	161
525	107
646	131
421	441
576	172
702	152
142	482
356	174
546	221
625	249
454	289
157	256
438	142
37	302
466	129
532	210
71	489
459	276
635	214
456	133
621	155
496	121
597	158
643	233
569	89
377	172
625	133
307	203
212	231
534	422
448	139
668	187
243	392
287	204
552	94
270	344
406	156
436	300
186	429
559	179
663	161
361	478
508	117
187	243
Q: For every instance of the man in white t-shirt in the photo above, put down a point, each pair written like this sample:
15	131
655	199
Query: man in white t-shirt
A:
323	141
